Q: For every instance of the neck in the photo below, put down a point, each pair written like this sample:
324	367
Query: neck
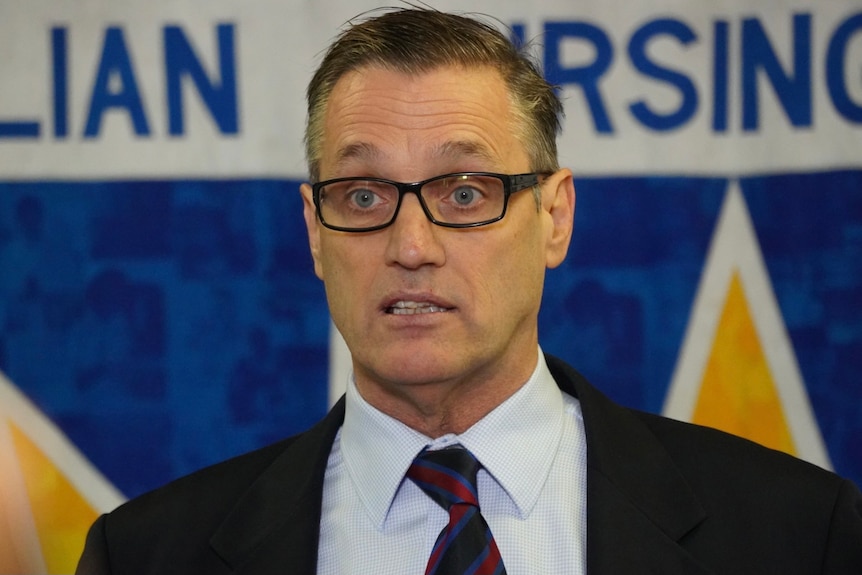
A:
439	408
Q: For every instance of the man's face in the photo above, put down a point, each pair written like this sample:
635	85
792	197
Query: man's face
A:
471	295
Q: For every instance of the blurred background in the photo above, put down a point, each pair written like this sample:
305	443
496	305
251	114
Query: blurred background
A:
159	311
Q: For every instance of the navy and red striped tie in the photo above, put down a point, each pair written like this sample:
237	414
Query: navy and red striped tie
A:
466	545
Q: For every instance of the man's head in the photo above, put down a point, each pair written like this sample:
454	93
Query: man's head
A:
441	322
413	41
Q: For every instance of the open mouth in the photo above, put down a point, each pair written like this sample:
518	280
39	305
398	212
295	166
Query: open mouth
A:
414	308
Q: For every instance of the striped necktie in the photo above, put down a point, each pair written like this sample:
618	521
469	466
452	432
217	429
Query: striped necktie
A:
466	545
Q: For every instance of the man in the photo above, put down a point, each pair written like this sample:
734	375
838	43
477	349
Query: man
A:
435	207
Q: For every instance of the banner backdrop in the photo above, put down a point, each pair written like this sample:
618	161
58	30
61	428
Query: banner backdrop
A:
158	308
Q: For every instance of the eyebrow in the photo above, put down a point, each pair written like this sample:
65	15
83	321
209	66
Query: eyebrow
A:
461	148
361	151
455	149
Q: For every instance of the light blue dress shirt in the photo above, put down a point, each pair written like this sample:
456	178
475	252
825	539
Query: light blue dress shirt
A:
532	490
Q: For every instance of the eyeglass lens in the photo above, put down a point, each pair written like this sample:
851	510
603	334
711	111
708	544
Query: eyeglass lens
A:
456	199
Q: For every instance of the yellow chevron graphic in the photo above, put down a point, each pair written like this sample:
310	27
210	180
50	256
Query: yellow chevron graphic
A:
49	492
738	393
61	515
20	551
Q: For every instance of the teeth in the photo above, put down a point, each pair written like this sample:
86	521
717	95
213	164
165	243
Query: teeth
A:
413	307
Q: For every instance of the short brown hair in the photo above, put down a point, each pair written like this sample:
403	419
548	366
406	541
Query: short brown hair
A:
415	40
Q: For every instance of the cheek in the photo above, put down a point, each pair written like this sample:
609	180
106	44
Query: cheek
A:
334	256
511	274
524	271
345	273
331	270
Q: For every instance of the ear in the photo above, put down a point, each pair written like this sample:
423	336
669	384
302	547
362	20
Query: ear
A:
558	200
312	225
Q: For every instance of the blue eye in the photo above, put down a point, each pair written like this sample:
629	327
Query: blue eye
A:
363	198
464	196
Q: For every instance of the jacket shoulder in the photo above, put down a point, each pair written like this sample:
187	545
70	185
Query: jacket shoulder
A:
171	529
732	504
704	451
212	487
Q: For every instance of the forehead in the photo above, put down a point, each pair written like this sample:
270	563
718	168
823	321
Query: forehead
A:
450	117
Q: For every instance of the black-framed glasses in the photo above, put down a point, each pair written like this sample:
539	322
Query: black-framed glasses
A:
460	200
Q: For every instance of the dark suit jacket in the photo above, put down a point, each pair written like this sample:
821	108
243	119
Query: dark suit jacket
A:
663	497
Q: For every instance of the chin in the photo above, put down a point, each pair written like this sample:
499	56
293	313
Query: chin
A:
407	362
412	369
413	375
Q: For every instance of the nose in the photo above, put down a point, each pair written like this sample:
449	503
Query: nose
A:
413	239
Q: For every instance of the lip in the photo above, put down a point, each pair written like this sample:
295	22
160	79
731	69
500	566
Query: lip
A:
415	304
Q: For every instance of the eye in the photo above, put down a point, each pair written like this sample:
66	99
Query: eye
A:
465	195
362	198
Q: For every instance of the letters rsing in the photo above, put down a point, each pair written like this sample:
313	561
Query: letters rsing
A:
790	76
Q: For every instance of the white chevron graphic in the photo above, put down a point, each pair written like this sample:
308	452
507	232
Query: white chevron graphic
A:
735	249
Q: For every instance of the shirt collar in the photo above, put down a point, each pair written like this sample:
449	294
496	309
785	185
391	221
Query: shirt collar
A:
378	449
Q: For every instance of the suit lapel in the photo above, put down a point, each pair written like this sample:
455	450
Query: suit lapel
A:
639	506
274	528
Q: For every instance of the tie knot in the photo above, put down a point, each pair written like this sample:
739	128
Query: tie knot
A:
448	476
